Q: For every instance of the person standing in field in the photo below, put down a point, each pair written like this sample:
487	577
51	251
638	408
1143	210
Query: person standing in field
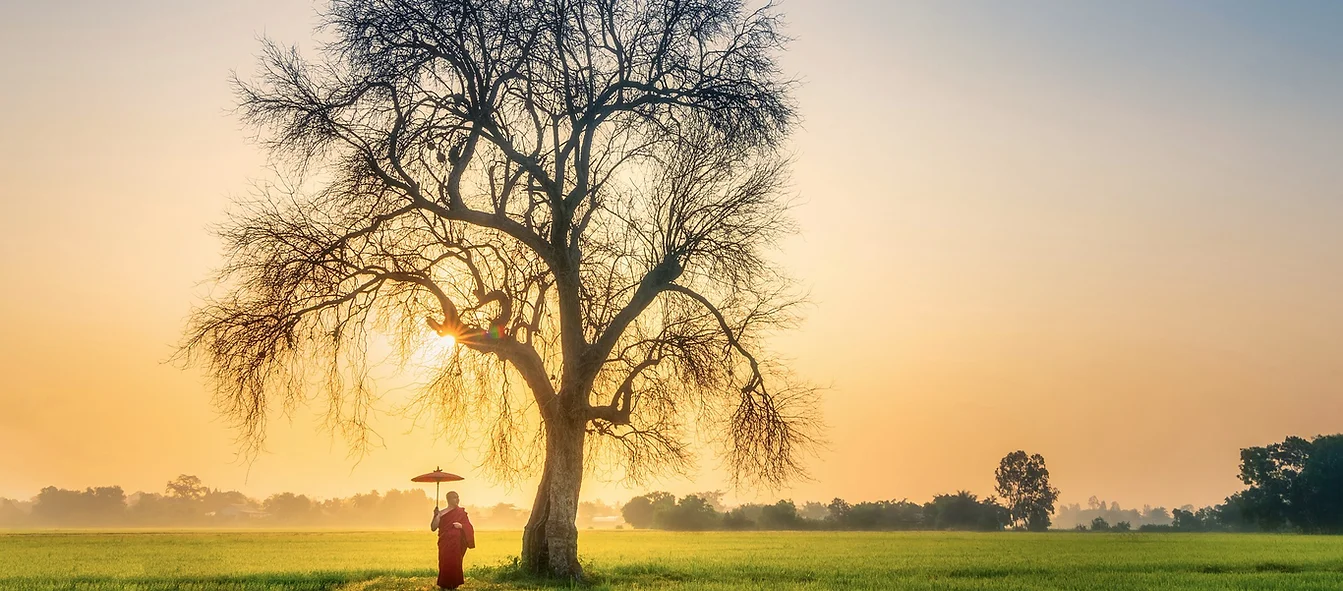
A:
455	535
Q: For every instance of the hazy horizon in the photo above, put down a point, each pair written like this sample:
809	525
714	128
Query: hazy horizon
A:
134	495
1107	233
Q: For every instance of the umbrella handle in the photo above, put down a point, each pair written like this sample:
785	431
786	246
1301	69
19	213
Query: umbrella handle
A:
436	485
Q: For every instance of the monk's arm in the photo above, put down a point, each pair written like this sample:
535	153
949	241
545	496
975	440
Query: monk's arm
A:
433	523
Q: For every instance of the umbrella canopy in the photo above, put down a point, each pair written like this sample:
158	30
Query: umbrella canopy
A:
438	475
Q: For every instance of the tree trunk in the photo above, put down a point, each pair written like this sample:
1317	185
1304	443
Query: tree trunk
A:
550	540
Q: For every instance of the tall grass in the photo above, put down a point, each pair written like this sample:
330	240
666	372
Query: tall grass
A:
385	561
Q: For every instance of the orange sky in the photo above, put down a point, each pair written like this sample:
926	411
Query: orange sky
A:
1106	234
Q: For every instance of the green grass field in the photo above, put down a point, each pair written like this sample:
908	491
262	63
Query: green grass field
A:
377	561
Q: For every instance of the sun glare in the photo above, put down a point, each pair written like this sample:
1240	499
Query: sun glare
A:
434	350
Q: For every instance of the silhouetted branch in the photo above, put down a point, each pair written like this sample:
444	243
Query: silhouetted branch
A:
531	178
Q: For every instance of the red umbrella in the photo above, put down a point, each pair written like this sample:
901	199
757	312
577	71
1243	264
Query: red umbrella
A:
437	476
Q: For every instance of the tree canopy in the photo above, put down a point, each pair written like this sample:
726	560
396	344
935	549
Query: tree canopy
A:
581	194
1023	483
1297	483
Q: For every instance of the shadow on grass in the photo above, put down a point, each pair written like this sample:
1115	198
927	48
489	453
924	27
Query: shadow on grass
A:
1262	567
510	574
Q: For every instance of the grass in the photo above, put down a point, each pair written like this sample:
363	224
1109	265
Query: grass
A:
394	561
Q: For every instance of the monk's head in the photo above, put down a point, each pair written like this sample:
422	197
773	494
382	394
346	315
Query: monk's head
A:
453	499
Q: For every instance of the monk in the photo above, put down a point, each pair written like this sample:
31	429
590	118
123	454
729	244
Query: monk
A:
455	535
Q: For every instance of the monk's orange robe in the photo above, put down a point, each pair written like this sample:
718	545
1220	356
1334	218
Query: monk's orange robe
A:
452	545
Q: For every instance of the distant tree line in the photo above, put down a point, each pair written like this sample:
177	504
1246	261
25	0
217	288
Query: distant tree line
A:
1098	517
696	512
1111	515
1022	484
187	502
1292	486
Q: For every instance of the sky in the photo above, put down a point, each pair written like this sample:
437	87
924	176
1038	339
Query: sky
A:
1108	233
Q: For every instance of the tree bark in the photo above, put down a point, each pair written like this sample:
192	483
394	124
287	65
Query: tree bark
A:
550	539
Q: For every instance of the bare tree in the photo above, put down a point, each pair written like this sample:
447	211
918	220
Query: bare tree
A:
581	193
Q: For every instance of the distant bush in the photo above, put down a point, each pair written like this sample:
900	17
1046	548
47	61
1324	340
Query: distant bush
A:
641	512
692	513
736	519
965	511
781	515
